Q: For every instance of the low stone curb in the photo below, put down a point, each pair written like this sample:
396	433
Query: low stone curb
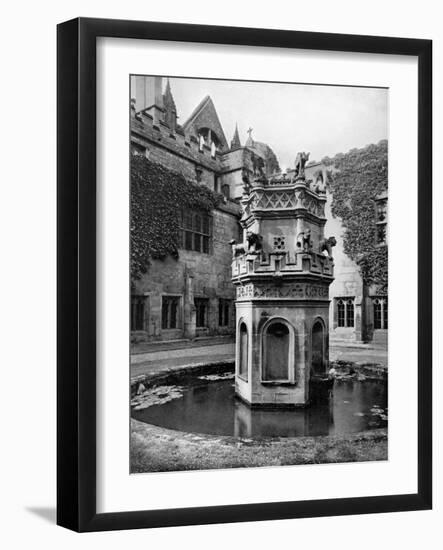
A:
168	375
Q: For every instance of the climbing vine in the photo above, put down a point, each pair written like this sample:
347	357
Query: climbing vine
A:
355	179
158	197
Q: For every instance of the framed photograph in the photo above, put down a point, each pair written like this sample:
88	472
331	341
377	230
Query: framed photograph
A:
244	274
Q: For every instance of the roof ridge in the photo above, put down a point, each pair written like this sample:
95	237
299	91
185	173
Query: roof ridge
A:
198	109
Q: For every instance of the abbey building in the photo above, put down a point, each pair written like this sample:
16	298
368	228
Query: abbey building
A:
193	296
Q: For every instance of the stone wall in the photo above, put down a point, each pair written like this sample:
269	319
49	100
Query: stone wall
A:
193	275
173	148
234	180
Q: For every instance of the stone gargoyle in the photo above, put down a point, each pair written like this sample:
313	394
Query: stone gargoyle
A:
327	244
252	245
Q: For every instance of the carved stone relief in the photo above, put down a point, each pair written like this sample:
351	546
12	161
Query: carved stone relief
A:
296	291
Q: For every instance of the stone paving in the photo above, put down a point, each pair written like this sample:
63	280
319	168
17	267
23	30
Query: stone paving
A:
153	361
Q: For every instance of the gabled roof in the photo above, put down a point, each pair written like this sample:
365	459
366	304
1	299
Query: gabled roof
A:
205	116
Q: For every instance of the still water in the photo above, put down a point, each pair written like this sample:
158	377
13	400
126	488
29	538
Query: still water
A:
212	408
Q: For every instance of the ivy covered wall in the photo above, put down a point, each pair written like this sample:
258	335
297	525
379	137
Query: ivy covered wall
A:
158	196
355	180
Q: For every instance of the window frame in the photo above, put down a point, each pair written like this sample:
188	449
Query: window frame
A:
143	300
384	311
224	312
194	232
205	301
171	297
348	303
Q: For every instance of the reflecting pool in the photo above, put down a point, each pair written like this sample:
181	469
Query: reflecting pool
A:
210	407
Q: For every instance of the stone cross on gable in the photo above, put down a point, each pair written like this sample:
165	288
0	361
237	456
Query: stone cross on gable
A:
249	132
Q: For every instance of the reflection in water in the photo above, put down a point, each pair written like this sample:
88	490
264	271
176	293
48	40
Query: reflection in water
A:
281	423
212	408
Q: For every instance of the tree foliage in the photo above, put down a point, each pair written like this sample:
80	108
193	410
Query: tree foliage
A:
158	196
355	179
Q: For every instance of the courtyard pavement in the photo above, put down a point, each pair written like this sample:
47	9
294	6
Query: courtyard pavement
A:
144	362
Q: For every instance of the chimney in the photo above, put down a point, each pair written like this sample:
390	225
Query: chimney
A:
147	91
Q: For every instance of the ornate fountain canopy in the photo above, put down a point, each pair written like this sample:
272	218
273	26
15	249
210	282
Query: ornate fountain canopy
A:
283	218
285	194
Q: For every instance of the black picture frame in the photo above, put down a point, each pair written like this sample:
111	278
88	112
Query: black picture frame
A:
76	295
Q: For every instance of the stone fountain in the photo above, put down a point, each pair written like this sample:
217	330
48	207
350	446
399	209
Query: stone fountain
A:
282	271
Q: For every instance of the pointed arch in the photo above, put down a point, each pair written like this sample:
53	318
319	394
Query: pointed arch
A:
242	350
318	347
277	363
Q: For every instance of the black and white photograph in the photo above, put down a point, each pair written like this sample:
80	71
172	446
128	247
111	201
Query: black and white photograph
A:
258	296
221	265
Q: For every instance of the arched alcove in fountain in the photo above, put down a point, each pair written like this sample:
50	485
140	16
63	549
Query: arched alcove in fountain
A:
278	361
318	362
243	351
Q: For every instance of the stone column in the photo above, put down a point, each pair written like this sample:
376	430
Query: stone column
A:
213	315
156	315
154	98
359	317
189	321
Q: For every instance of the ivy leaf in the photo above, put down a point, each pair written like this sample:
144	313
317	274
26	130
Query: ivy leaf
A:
355	180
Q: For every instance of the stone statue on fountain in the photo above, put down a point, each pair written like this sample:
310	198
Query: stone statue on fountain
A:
300	163
252	245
